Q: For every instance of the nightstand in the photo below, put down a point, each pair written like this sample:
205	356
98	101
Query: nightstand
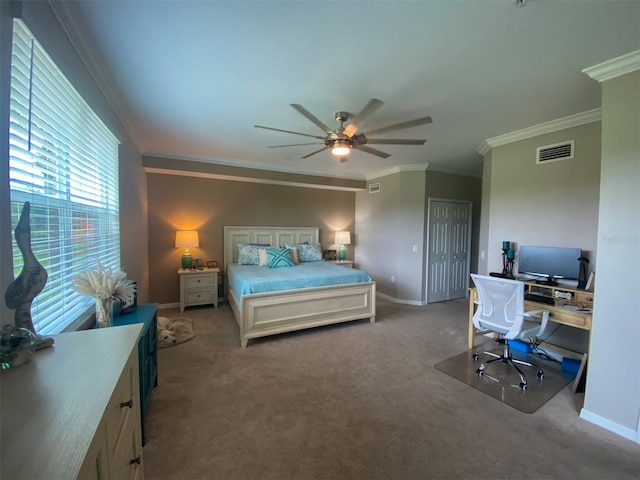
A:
198	287
343	263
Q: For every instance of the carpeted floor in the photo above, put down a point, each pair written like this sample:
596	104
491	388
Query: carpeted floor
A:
357	401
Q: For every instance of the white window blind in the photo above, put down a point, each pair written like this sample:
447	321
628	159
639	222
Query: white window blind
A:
64	161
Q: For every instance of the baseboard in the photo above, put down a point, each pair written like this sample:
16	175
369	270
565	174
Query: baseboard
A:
624	432
168	305
177	304
403	302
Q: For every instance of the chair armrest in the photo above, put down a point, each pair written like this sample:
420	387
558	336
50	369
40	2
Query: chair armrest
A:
542	314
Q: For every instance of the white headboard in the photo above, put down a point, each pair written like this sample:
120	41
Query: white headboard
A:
274	236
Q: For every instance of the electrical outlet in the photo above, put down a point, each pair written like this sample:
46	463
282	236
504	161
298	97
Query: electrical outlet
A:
415	248
393	279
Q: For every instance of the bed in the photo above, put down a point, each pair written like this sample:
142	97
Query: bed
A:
285	310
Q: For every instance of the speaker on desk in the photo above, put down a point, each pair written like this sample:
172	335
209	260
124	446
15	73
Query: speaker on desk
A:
582	276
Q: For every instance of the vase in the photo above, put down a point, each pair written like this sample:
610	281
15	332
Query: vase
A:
104	312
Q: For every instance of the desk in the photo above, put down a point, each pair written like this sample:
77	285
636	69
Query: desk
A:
562	311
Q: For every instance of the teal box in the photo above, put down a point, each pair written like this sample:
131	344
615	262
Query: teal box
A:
570	365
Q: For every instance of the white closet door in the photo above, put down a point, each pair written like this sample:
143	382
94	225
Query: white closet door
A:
449	237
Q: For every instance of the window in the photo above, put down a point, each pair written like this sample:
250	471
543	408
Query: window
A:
64	161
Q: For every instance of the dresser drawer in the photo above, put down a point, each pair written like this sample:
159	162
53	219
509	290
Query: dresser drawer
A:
584	298
199	280
198	296
127	459
123	406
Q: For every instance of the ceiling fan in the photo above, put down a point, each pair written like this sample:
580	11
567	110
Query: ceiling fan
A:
343	139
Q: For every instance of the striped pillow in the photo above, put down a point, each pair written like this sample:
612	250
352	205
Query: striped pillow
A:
279	257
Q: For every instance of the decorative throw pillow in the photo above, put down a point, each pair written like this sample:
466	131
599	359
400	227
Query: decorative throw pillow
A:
262	257
248	254
278	257
309	252
294	255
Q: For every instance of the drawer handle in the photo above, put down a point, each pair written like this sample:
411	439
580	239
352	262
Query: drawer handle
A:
127	404
135	461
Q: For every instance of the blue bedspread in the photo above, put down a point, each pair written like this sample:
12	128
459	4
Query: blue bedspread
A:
247	279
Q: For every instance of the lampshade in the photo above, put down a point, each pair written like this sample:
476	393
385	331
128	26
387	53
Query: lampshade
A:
187	239
343	238
340	148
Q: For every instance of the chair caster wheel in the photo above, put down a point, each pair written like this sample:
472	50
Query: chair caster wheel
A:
480	370
523	386
475	356
540	375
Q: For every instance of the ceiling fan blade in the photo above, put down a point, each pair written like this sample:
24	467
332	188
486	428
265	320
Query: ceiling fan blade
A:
400	126
294	145
313	153
372	151
311	117
289	131
370	108
395	141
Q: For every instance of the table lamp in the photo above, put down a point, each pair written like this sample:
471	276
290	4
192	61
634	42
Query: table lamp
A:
187	239
343	238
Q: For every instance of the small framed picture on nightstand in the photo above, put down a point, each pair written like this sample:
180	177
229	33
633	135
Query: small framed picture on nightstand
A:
328	255
212	264
197	264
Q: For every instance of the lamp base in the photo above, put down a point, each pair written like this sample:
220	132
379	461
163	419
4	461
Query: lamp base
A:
187	259
342	253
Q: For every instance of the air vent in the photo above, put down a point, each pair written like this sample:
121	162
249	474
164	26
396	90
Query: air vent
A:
374	187
553	153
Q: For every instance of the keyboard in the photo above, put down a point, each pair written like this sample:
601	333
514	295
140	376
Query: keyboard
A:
533	297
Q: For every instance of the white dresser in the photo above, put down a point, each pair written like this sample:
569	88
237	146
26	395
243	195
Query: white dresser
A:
72	411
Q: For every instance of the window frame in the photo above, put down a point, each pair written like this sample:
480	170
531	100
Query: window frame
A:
62	157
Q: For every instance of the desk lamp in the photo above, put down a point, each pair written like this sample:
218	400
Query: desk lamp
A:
187	239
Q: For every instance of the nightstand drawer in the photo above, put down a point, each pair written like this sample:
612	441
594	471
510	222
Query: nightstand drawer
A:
198	296
199	280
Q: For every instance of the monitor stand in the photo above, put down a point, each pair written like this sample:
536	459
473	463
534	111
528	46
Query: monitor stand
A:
549	281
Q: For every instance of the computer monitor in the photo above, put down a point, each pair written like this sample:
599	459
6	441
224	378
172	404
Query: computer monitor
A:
550	262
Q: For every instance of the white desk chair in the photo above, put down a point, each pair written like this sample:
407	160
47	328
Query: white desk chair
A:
501	310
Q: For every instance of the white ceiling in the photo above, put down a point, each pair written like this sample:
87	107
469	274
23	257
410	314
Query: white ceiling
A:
191	78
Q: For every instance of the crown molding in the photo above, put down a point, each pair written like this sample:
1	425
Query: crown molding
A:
590	116
248	179
271	167
84	46
615	67
415	167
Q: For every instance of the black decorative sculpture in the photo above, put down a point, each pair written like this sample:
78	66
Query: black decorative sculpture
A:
32	279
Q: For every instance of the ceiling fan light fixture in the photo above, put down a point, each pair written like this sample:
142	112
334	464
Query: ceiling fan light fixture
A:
341	149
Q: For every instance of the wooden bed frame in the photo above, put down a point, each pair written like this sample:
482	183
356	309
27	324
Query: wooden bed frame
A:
262	314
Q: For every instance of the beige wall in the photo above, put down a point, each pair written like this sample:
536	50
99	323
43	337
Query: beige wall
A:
386	225
612	398
389	223
134	246
208	205
553	204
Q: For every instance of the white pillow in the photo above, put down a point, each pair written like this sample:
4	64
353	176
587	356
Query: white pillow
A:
262	255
